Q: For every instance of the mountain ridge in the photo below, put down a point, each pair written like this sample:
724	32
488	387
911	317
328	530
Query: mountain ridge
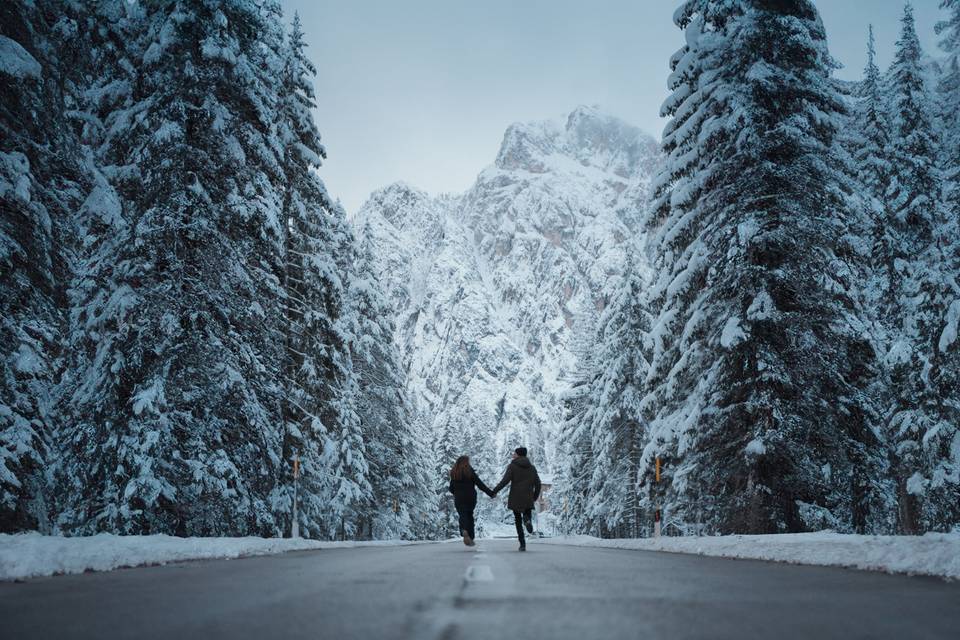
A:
490	285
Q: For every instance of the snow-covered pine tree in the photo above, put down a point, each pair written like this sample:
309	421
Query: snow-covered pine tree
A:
949	99
349	493
425	524
306	435
396	457
573	481
868	141
949	28
753	375
921	422
447	447
674	393
173	405
42	181
861	149
351	468
616	427
576	459
949	89
873	128
322	425
914	188
942	509
100	40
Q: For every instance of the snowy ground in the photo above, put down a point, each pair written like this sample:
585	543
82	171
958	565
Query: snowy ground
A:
28	555
933	554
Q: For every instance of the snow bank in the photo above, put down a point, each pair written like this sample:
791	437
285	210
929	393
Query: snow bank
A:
28	555
933	554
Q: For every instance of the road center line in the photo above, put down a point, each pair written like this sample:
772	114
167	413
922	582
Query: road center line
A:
479	573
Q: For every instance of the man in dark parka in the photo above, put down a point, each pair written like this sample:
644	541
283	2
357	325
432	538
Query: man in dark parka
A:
524	483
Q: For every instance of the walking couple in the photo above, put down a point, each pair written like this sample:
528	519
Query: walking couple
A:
524	483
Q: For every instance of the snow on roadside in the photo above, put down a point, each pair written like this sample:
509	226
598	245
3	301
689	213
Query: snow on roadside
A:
27	555
933	554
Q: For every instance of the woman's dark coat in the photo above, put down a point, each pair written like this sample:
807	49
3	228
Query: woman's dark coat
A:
465	490
524	484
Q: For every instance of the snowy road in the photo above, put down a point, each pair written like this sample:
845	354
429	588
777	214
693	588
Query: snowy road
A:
448	591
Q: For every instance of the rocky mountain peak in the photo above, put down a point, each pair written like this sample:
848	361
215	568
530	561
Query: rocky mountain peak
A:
490	286
586	135
608	143
397	201
526	145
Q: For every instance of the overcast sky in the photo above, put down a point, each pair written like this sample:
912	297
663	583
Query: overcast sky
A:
422	90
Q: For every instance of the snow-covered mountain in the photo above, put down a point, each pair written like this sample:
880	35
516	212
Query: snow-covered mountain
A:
489	287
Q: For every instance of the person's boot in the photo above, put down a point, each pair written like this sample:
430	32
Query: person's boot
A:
467	540
528	522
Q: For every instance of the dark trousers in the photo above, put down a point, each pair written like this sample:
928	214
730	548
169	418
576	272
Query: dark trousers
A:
519	517
465	515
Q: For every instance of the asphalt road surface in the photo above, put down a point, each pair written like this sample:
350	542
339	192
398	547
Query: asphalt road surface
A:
447	591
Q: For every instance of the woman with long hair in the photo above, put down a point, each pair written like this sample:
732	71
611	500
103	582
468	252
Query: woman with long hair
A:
463	485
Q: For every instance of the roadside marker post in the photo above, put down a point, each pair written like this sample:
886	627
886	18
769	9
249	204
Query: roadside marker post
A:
295	528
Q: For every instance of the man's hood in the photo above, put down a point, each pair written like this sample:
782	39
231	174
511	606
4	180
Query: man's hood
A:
523	462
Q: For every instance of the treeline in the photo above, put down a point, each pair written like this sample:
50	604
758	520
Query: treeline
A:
789	351
185	309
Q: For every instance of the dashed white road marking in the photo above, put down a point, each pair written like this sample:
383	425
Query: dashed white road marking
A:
479	573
